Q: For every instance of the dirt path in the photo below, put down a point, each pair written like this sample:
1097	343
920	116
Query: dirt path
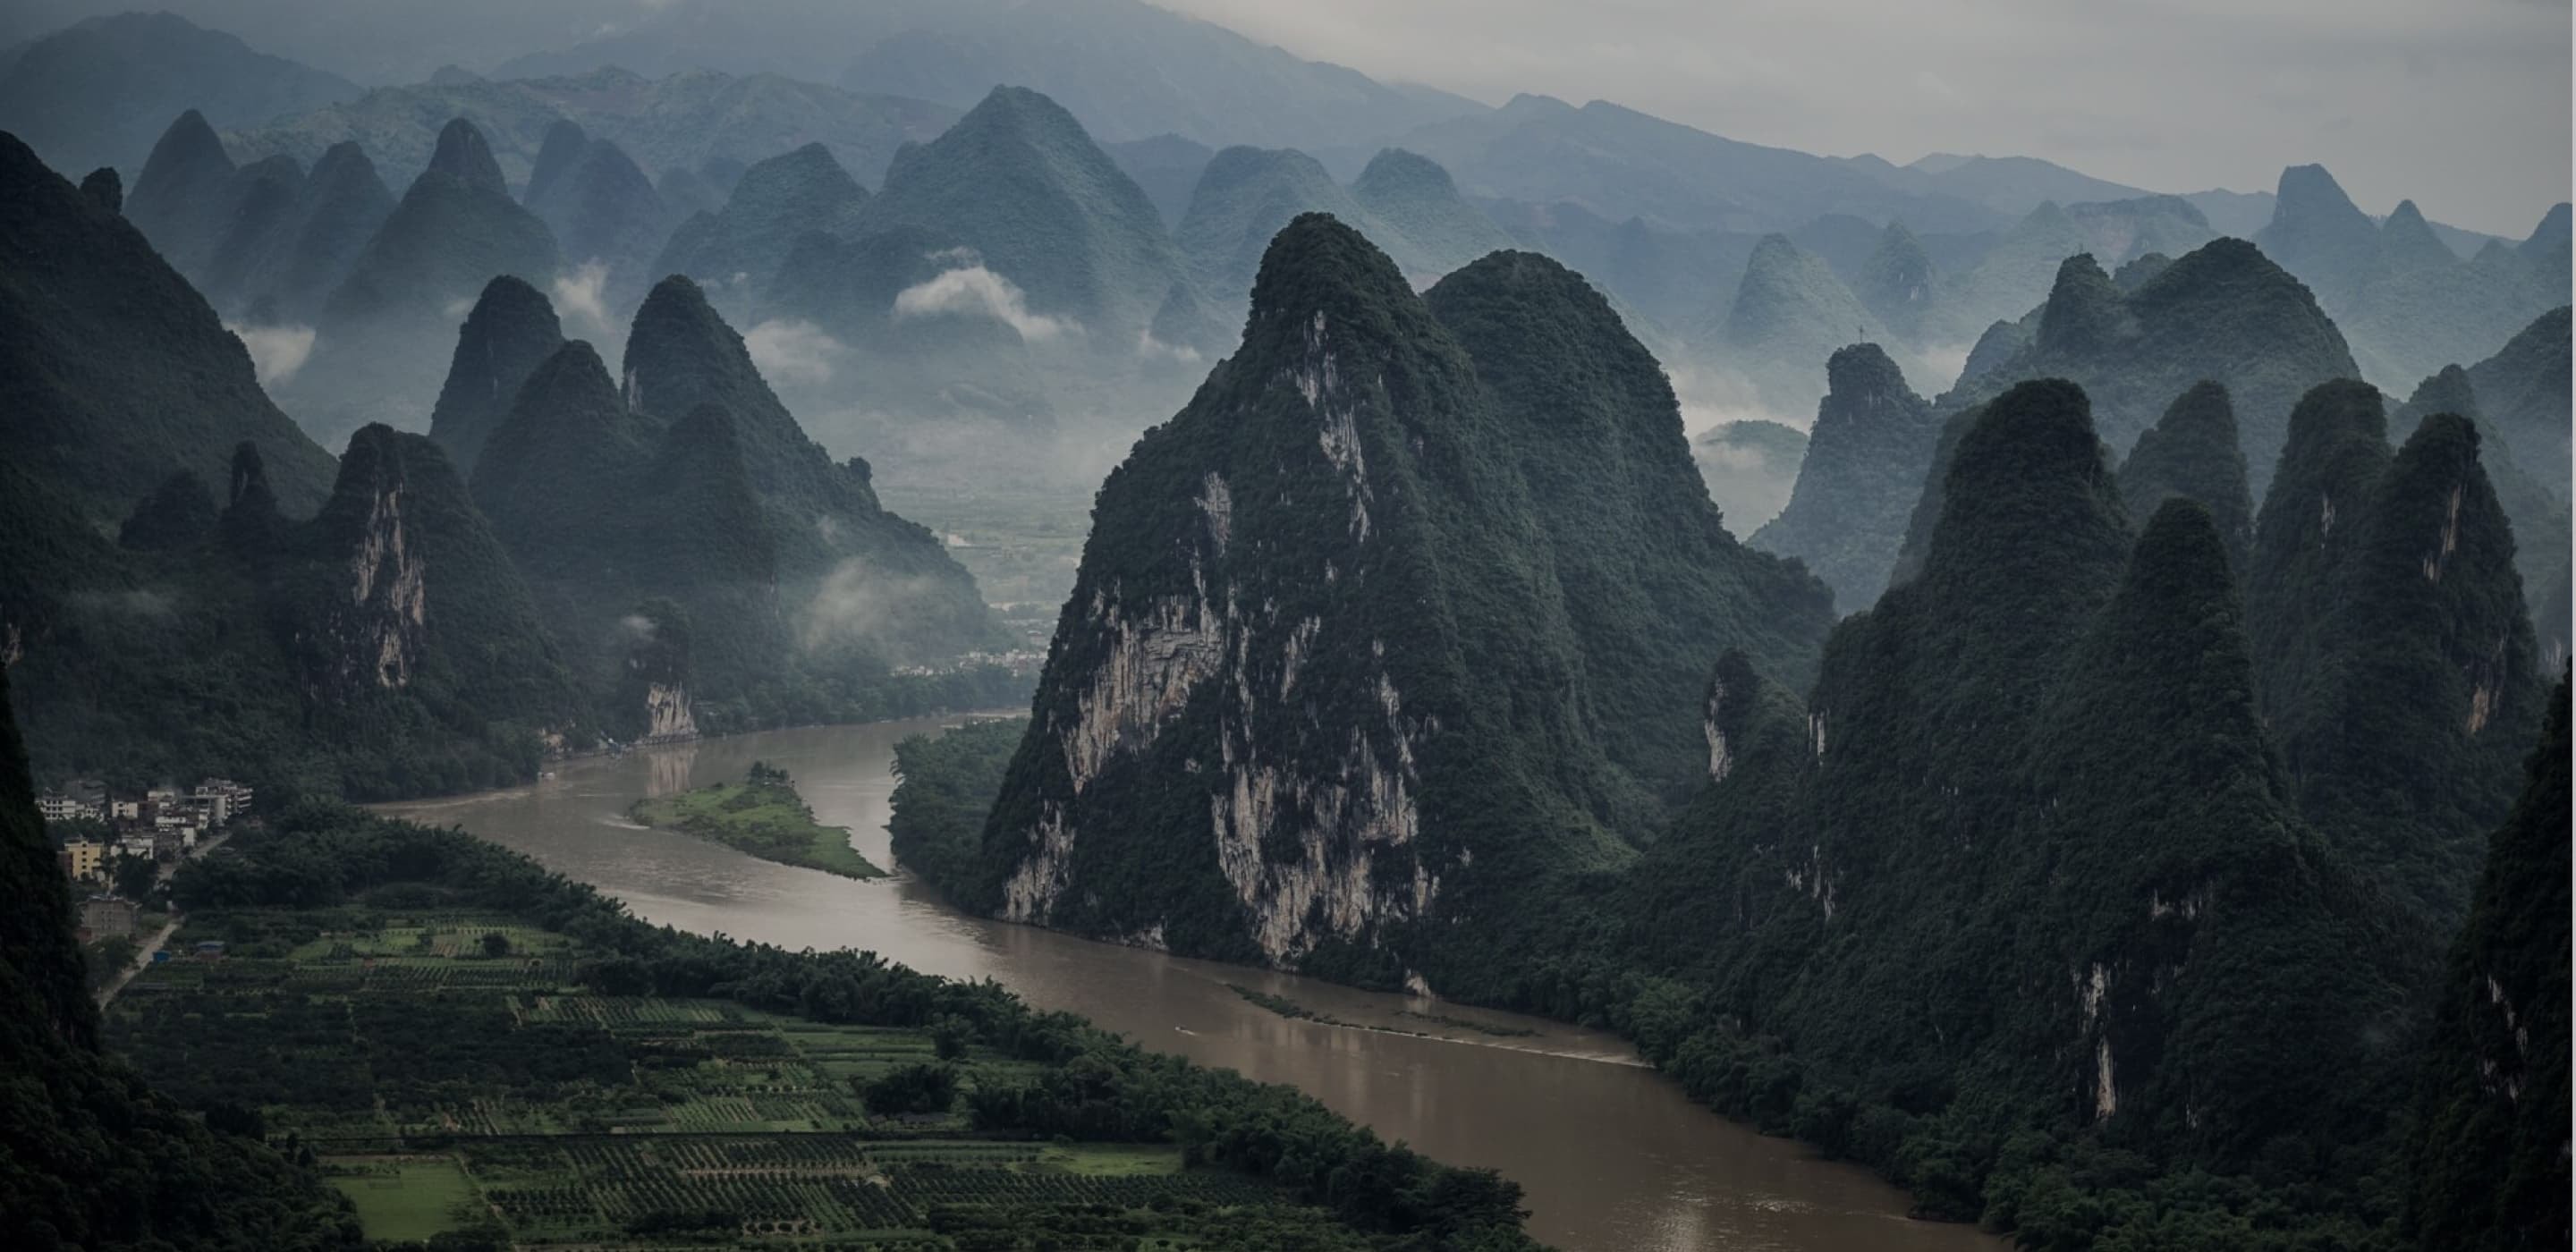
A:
141	959
144	957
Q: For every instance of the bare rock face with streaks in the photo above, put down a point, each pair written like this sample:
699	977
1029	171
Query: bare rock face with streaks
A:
1333	687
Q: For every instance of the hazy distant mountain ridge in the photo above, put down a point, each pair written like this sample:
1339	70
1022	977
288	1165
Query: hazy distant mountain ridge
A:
2223	312
675	122
99	93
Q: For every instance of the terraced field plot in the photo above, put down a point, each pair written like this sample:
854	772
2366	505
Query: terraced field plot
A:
446	1081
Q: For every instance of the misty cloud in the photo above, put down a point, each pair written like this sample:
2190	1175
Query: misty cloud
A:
1152	349
790	351
979	292
860	606
581	296
276	352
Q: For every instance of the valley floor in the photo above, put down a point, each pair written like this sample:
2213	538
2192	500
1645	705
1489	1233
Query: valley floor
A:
448	1076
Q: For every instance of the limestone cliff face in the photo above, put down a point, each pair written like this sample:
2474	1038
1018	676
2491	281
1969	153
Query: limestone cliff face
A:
373	628
657	674
1322	697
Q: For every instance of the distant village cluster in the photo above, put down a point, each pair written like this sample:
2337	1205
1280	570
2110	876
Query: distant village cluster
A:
95	827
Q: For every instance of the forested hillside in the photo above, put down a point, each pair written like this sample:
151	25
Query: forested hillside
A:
1508	505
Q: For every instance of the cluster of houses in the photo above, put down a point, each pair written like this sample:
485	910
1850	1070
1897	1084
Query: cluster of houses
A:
161	823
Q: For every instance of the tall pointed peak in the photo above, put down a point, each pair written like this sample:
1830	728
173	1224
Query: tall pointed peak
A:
1243	163
563	146
465	155
1031	116
2309	192
1773	251
510	332
2028	502
2553	230
344	161
370	466
1318	267
2220	264
1864	372
2084	313
189	139
2180	573
2048	219
2406	240
2337	414
1896	282
173	198
676	304
105	189
806	176
573	373
2449	391
2192	453
1395	170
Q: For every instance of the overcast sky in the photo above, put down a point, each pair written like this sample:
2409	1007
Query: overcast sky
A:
2462	105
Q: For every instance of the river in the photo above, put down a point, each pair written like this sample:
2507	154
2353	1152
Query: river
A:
1612	1156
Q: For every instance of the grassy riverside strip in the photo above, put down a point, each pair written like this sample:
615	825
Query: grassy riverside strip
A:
761	815
474	1050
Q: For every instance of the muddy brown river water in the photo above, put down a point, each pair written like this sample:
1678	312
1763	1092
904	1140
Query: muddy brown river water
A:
1613	1157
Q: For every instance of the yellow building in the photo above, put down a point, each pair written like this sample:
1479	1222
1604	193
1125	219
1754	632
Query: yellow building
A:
82	858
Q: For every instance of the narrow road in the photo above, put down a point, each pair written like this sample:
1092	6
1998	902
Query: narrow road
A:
144	957
141	959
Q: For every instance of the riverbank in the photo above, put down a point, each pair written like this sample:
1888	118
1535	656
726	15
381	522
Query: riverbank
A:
761	815
1612	1155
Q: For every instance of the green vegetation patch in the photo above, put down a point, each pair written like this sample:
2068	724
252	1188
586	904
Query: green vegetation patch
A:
407	1198
761	815
462	1042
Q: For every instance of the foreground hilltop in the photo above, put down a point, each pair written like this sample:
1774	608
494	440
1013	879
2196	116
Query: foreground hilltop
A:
1388	630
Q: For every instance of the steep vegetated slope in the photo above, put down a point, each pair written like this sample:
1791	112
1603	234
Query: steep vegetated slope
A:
511	331
707	564
2489	1148
383	648
2192	453
2397	663
1871	445
116	373
1378	638
2538	514
2523	389
2020	860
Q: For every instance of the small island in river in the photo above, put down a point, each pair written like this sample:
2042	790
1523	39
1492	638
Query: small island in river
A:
761	815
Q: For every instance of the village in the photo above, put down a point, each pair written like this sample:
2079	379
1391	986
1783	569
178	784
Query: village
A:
116	847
